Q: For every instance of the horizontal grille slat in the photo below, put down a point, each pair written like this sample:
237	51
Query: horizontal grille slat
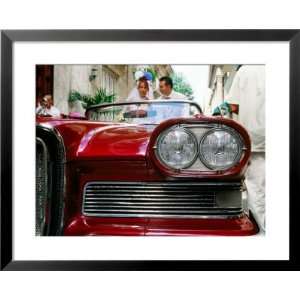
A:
145	207
157	211
145	197
142	192
152	199
147	202
142	195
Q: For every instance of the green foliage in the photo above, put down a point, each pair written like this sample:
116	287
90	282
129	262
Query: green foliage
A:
180	85
153	72
100	97
74	96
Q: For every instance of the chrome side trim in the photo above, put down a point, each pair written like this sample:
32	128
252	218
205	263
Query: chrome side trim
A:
200	125
58	180
41	189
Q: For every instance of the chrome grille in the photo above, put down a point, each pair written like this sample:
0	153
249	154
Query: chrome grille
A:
153	199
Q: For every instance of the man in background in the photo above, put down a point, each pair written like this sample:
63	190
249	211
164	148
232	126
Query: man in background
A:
247	98
46	107
166	89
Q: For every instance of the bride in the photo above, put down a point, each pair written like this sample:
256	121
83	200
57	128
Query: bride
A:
141	92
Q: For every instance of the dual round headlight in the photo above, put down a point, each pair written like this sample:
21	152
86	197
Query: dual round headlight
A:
218	148
177	148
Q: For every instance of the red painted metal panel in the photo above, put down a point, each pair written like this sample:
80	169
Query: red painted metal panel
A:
81	225
122	152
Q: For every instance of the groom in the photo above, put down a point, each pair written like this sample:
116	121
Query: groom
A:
166	89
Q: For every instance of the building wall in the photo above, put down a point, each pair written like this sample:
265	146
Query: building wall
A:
220	80
61	86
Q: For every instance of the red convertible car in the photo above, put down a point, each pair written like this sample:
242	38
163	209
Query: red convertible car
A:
155	167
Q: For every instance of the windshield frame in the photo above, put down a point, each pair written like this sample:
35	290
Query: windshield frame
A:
123	103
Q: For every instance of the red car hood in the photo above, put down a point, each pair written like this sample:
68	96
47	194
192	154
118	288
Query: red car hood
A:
98	141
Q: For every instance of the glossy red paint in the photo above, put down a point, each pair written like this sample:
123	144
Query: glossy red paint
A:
87	140
123	152
81	225
241	226
91	140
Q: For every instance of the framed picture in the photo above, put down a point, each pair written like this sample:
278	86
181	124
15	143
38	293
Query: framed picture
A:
149	149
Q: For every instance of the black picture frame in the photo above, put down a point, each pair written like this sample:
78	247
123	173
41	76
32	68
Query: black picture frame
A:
8	37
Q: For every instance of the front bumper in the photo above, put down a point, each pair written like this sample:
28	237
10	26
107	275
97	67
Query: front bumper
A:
243	225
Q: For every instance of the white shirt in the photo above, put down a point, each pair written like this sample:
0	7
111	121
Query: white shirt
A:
173	95
52	111
248	91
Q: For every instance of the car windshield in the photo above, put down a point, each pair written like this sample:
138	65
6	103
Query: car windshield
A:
143	112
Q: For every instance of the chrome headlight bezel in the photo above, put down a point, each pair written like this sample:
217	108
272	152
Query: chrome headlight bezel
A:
238	155
160	140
